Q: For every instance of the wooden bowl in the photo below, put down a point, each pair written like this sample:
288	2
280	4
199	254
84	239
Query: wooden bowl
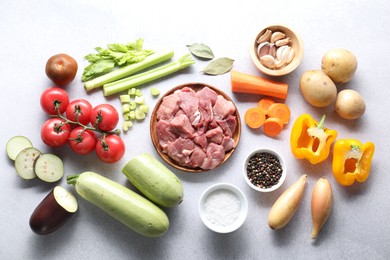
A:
153	121
296	44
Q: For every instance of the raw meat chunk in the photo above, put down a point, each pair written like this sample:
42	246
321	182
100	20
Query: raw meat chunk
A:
181	126
214	156
223	107
169	106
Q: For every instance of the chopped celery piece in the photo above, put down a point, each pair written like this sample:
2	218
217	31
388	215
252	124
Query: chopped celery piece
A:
155	91
127	125
138	92
126	116
132	91
124	98
140	100
128	70
125	108
139	115
132	115
144	108
132	105
147	76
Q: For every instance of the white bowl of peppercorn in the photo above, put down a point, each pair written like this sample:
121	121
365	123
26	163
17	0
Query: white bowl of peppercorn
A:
264	170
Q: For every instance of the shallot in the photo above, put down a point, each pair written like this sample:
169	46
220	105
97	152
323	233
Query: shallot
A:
287	204
321	204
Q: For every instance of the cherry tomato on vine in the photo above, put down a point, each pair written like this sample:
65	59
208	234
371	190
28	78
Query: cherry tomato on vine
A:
79	110
82	141
61	69
55	132
110	148
105	117
54	99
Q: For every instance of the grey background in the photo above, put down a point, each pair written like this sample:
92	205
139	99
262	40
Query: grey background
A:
32	31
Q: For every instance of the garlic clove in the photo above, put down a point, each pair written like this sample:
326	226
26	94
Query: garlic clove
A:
283	56
280	63
283	42
265	36
277	36
263	49
291	55
279	52
268	61
272	50
286	53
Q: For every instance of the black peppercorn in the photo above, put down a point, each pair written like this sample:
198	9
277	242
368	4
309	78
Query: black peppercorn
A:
264	170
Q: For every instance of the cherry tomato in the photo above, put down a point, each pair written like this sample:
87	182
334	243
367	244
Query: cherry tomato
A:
82	141
79	110
104	117
54	98
110	148
54	132
61	69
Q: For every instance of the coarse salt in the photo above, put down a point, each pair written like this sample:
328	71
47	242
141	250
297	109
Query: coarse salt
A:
222	208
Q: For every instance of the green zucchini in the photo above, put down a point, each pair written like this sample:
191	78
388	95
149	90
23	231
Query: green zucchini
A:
154	180
121	203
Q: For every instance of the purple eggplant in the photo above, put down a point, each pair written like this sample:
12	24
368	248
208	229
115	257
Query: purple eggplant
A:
53	211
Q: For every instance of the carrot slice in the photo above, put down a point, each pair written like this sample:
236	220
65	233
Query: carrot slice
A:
272	126
265	103
251	84
281	111
254	117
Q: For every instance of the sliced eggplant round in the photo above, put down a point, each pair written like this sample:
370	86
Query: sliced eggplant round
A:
24	163
54	211
17	144
49	167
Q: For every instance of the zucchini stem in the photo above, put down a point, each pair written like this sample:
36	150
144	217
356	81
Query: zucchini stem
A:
72	179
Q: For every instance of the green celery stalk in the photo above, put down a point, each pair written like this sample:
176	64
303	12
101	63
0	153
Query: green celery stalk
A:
128	70
147	76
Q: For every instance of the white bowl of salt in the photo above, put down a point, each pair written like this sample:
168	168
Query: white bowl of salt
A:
223	208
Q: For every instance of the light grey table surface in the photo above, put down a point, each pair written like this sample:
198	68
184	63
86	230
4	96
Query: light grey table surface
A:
359	224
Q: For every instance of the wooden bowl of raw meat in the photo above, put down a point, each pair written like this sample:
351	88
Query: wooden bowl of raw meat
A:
195	127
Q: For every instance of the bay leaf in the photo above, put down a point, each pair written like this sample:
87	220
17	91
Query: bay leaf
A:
218	66
201	50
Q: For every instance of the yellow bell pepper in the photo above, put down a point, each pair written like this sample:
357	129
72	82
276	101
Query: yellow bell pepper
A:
310	140
352	161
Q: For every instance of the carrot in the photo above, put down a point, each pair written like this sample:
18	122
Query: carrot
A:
254	117
272	126
281	111
251	84
265	103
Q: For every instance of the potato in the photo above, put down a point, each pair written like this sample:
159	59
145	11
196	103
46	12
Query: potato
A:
317	88
339	64
350	104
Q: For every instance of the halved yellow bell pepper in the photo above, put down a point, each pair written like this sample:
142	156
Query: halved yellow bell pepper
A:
352	161
310	140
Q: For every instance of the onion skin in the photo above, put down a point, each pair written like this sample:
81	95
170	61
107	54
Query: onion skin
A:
287	204
321	205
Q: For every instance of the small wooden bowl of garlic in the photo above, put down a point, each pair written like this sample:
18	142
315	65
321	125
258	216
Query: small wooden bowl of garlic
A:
276	50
